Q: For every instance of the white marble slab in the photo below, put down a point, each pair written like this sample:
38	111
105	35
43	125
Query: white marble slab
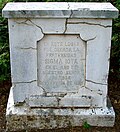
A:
59	64
60	10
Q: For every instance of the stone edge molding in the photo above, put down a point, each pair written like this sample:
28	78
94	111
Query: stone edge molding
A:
60	10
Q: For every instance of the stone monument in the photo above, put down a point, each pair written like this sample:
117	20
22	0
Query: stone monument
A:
59	64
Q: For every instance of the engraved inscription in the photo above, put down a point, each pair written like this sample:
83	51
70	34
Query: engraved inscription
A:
61	63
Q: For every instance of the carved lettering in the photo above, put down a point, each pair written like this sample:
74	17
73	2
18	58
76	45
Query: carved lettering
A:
61	63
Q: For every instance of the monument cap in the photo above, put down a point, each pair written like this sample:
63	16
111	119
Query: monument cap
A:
60	10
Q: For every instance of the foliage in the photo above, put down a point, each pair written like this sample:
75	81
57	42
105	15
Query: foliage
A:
4	46
115	50
61	0
86	125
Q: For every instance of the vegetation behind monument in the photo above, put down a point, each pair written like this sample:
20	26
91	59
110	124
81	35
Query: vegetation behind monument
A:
4	39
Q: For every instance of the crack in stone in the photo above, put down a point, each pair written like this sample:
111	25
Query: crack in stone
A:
91	39
65	25
61	95
85	62
66	22
28	48
93	90
81	37
45	93
89	24
25	82
23	22
97	92
23	12
93	111
32	23
95	82
71	14
37	26
68	6
87	39
20	103
88	88
58	100
71	11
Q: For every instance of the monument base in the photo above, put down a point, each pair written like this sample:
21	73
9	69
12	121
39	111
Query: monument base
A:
23	117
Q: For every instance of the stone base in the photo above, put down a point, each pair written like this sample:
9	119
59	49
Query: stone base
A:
23	117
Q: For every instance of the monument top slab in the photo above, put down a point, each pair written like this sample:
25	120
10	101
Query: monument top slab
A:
60	10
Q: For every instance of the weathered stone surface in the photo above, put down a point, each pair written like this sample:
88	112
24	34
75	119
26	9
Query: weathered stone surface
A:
30	54
24	118
59	64
60	10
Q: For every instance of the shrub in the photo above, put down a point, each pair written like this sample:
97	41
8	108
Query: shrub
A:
115	50
4	46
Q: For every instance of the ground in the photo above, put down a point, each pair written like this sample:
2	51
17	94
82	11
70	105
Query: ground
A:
114	94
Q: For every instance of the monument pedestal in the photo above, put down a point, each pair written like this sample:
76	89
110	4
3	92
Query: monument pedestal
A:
59	64
22	117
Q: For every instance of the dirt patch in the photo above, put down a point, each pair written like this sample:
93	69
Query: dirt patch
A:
4	93
114	94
